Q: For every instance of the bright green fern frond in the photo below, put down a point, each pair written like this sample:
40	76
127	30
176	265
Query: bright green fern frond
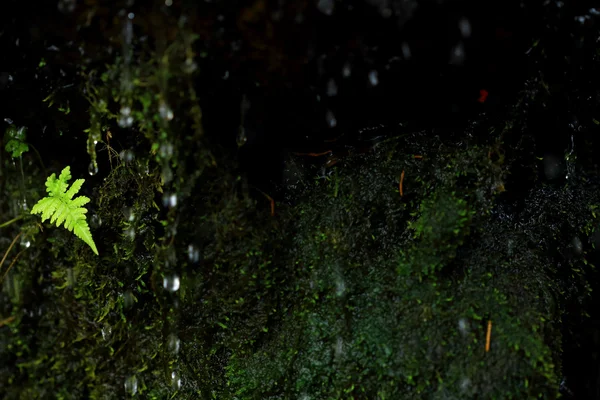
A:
61	208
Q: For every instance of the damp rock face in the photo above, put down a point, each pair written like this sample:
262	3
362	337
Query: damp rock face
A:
301	200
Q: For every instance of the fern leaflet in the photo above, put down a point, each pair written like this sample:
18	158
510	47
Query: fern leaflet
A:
60	206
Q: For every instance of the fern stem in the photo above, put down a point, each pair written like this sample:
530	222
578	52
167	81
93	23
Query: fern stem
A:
6	254
10	222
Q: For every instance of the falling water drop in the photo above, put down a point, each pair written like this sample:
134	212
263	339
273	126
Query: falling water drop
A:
171	283
373	78
173	344
175	380
131	385
330	118
465	27
405	50
346	70
93	168
331	88
326	6
165	111
127	155
193	253
241	138
125	119
170	200
106	332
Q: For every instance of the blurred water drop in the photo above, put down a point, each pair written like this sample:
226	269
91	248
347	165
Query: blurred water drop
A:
331	88
465	27
130	233
552	167
25	242
171	283
463	326
340	286
106	332
8	120
339	347
173	344
168	3
326	6
175	380
594	12
577	245
405	50
169	200
93	168
125	119
166	174
129	214
165	111
131	385
346	70
127	156
66	6
193	253
465	384
189	66
457	55
373	78
95	221
166	150
241	138
330	119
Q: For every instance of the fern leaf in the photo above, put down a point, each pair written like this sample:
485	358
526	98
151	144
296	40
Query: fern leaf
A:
61	208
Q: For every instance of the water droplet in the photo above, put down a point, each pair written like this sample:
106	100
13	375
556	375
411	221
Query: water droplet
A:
93	168
25	242
193	253
339	347
465	27
173	344
405	50
175	380
166	174
594	12
8	120
465	384
189	66
106	332
457	56
340	286
577	245
346	70
326	6
165	111
131	385
66	6
130	233
330	118
170	200
166	150
331	88
241	138
373	78
95	221
129	214
125	119
168	3
463	326
171	283
127	155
